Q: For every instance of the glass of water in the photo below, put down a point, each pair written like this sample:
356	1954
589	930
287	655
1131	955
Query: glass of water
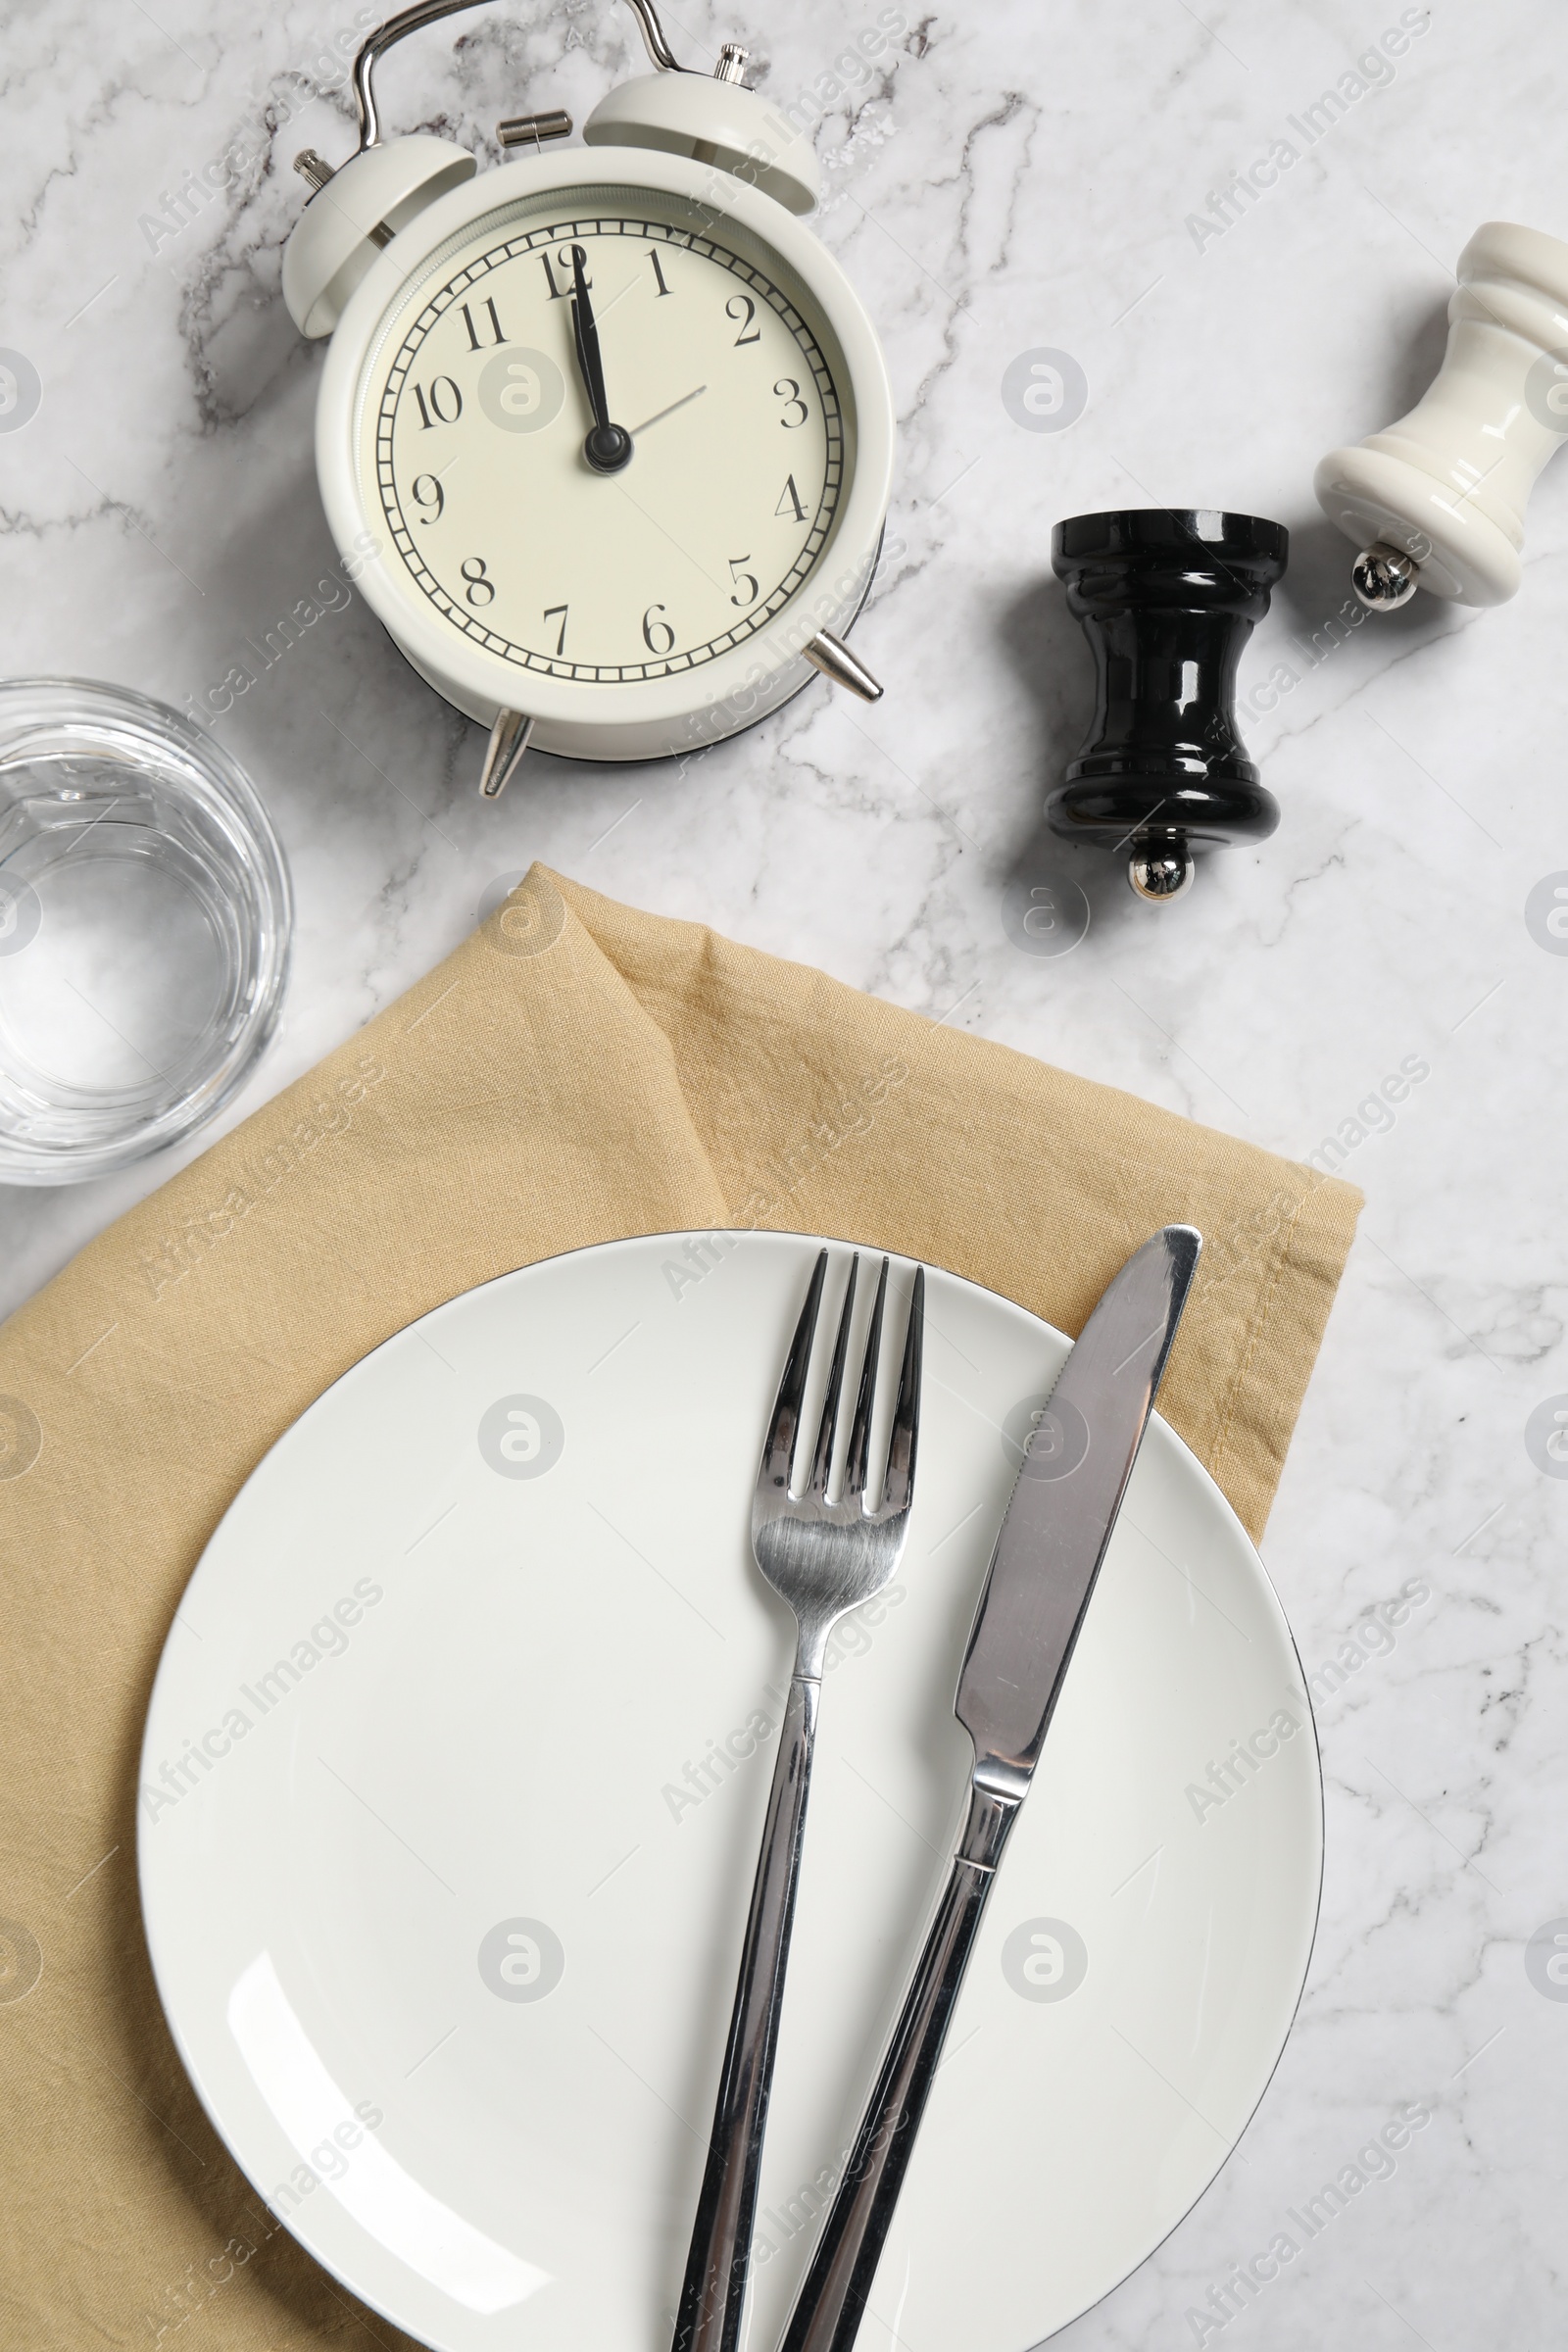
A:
144	928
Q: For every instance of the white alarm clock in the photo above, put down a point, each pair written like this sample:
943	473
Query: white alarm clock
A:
606	434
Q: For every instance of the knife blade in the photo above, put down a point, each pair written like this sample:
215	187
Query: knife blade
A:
1065	1504
1044	1568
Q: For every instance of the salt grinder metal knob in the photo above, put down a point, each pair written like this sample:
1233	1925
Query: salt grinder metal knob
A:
1438	499
1167	597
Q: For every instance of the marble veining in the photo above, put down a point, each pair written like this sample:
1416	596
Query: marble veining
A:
1029	174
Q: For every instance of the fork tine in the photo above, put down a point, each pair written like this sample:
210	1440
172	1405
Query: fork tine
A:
899	1485
823	1461
854	1466
778	1447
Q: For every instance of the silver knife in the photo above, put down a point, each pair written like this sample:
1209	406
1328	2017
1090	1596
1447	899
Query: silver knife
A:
1047	1556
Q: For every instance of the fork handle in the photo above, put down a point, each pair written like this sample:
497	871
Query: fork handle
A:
714	2296
832	2300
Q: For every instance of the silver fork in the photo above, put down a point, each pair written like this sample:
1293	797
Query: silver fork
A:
824	1558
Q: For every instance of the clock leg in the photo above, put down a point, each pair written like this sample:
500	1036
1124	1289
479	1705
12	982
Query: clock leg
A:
509	740
840	667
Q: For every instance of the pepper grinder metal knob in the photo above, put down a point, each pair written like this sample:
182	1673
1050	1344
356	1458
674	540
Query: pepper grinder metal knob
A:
1438	499
1167	597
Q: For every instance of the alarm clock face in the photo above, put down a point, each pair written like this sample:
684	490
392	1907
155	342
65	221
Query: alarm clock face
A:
518	574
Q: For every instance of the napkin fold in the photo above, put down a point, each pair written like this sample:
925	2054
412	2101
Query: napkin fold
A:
574	1073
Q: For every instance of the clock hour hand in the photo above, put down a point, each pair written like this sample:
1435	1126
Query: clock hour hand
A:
607	446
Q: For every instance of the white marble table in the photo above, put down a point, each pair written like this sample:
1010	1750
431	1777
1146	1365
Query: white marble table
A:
1008	177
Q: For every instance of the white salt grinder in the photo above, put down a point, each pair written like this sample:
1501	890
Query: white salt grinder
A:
1438	499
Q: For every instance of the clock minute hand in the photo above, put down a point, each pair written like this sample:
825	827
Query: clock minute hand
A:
607	446
585	330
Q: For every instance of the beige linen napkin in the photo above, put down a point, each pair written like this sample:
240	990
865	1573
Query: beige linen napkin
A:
576	1071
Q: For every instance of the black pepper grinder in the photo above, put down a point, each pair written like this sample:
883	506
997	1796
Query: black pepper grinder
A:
1167	597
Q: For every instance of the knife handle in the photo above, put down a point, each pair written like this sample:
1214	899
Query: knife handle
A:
712	2295
832	2300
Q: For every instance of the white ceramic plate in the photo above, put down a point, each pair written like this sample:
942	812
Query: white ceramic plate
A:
453	1779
